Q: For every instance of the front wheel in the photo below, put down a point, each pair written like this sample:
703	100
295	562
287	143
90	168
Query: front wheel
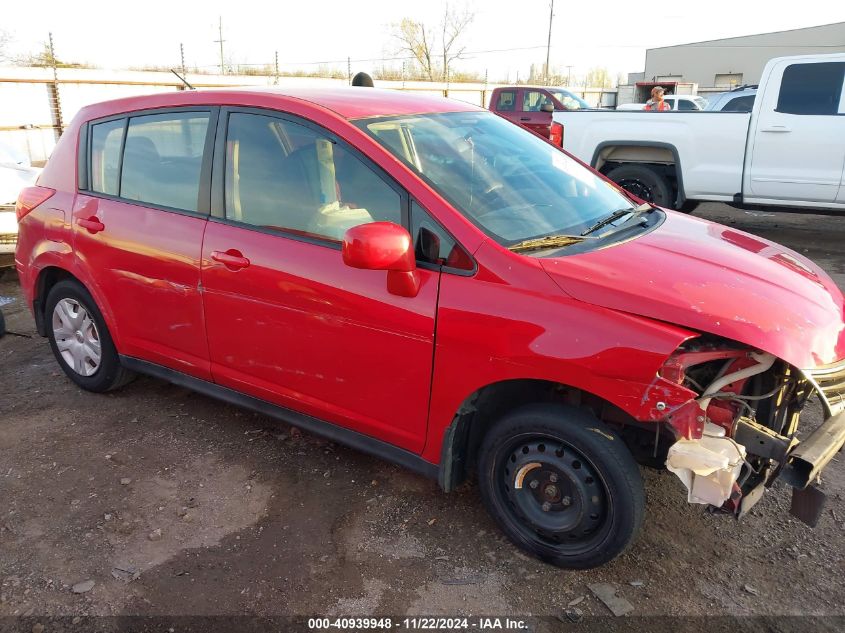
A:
644	182
561	485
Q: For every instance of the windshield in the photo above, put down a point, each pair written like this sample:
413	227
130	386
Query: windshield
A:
512	184
569	100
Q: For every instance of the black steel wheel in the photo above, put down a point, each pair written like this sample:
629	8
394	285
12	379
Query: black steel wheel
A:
561	485
644	182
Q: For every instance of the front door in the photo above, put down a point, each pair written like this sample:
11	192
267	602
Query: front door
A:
798	150
288	321
138	226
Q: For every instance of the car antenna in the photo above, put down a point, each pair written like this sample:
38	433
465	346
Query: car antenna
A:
183	80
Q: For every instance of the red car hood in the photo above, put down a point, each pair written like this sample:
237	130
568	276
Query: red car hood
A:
712	278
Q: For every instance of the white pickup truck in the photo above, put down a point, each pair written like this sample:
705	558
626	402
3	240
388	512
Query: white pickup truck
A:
788	151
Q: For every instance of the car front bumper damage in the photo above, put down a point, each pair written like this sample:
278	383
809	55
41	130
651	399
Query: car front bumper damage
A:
797	462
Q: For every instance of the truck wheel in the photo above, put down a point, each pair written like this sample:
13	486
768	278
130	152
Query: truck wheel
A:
689	206
561	485
644	182
80	339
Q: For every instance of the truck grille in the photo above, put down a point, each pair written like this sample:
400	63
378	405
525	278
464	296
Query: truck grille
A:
830	380
10	238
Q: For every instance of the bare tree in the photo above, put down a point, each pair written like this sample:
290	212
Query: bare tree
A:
598	78
421	41
454	26
418	40
5	40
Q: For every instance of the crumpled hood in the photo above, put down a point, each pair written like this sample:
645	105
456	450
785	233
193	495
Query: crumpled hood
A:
712	278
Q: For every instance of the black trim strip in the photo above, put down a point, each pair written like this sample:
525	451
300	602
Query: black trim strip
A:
120	157
353	439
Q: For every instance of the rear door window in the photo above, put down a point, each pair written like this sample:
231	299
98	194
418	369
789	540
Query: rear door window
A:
106	139
811	88
162	159
506	102
683	104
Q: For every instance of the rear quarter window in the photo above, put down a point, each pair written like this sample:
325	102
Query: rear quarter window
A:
106	140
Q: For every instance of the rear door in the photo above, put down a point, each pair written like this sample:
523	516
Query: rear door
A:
798	150
288	321
138	224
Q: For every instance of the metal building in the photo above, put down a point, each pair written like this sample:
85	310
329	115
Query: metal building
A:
735	61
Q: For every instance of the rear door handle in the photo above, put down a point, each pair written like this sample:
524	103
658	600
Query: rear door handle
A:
776	128
525	118
92	224
231	259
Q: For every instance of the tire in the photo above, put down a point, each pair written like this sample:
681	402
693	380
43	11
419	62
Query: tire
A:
688	206
74	328
588	503
644	182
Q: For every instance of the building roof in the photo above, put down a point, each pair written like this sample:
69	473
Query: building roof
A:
799	31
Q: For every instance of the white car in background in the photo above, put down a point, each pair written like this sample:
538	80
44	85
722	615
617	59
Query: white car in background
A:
16	172
684	103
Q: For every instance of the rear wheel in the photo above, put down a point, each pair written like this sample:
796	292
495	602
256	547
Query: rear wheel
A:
80	339
561	485
644	182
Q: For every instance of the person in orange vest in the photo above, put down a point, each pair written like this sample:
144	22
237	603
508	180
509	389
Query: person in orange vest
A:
657	104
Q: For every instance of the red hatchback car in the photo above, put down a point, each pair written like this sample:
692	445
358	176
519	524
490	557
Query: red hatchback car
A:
422	280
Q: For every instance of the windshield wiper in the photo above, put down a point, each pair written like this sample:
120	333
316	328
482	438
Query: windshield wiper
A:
547	241
620	213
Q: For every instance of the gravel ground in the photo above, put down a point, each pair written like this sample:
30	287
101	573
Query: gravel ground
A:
157	501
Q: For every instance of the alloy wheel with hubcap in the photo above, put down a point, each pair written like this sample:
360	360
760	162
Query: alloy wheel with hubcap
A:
76	336
80	338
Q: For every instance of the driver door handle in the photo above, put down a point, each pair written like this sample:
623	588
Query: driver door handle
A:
776	128
525	118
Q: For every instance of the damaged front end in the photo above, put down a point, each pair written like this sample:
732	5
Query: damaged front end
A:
740	433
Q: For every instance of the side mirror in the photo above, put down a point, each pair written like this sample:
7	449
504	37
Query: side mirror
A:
384	246
547	107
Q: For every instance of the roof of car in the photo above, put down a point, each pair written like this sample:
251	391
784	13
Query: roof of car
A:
348	102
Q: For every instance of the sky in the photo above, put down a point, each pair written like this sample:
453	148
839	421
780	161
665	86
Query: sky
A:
613	34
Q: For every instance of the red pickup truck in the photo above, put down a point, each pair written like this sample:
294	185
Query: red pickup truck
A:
533	106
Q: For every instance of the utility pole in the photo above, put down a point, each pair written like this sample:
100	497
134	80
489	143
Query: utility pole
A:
58	124
220	41
549	42
569	76
349	70
182	54
276	81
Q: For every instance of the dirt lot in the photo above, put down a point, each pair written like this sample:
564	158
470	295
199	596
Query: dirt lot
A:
172	503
